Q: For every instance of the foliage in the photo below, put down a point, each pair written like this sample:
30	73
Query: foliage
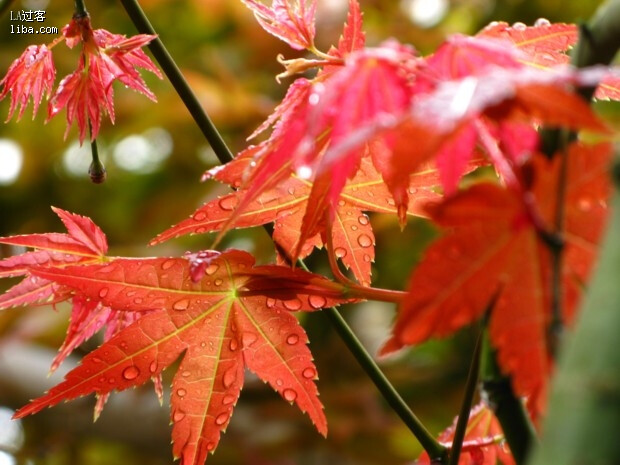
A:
377	129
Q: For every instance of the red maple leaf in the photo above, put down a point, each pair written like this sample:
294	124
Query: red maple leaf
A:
493	250
484	442
546	45
236	315
30	75
285	204
84	243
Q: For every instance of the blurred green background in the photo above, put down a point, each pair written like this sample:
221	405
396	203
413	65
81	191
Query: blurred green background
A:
155	155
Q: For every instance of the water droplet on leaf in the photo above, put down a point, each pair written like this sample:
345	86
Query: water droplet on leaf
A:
228	203
317	301
199	216
131	372
364	240
340	252
363	220
229	377
309	373
233	344
103	292
228	399
290	395
178	415
270	302
181	305
292	339
181	392
293	304
221	419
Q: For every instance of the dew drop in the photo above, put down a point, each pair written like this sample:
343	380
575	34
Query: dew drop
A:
289	395
271	302
363	220
340	252
540	22
178	415
367	258
103	292
228	203
167	264
413	190
364	240
131	293
519	26
200	230
97	360
292	339
181	392
131	372
138	300
341	203
279	382
181	305
317	301
309	373
112	380
218	281
221	419
291	190
228	399
229	378
210	446
354	228
199	216
233	344
153	367
293	304
247	339
212	268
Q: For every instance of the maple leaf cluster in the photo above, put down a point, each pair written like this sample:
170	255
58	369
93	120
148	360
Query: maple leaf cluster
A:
87	93
379	129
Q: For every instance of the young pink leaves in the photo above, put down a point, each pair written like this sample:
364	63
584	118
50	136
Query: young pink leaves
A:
289	20
31	75
236	315
87	93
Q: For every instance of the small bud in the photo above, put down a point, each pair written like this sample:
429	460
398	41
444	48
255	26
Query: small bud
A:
97	172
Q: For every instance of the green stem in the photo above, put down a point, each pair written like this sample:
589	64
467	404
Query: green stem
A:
80	9
507	407
172	71
435	450
468	398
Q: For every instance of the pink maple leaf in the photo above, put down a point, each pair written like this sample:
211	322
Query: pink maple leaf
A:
294	24
30	75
